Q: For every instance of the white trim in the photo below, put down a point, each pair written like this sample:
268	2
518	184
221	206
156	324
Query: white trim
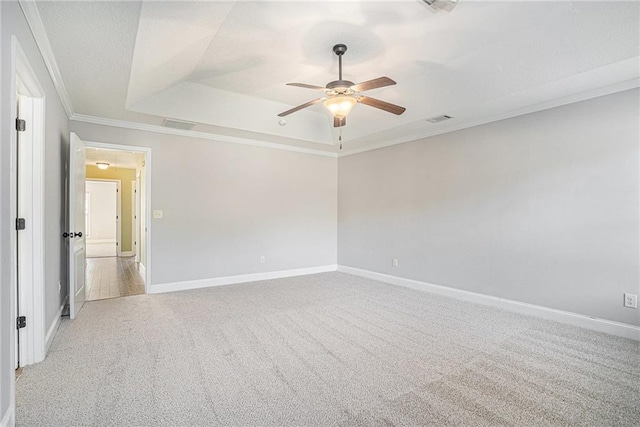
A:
553	103
126	254
231	280
195	134
31	295
34	20
574	319
133	217
9	417
146	272
143	272
53	328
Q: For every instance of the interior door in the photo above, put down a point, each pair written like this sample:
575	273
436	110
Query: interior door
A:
76	237
136	217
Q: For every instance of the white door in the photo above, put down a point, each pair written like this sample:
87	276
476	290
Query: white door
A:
101	226
136	217
76	238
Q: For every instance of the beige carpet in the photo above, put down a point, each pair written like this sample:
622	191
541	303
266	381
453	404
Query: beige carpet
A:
327	349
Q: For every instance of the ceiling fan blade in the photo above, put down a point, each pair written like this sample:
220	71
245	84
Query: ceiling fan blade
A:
373	84
386	106
300	107
306	86
337	122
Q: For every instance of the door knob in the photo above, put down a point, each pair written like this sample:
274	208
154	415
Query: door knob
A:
79	234
65	235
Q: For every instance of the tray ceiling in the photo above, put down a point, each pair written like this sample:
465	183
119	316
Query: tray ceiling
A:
224	65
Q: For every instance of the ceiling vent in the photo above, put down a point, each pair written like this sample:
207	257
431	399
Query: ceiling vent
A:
439	119
437	5
178	124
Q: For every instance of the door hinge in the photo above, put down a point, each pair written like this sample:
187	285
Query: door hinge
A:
20	224
21	125
21	322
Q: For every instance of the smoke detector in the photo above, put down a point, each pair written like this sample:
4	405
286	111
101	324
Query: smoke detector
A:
437	5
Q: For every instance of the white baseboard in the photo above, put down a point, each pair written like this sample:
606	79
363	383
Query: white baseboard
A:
8	420
51	332
580	320
230	280
126	254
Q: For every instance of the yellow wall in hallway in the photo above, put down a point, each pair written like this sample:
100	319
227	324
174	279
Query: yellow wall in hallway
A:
126	177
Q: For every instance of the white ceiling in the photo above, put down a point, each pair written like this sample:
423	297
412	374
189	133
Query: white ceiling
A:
115	158
224	65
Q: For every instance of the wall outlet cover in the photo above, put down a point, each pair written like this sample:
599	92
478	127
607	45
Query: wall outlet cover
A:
631	300
157	214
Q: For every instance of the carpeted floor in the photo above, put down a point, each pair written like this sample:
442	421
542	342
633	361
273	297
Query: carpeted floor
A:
328	349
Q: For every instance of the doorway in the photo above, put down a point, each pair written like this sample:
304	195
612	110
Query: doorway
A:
115	265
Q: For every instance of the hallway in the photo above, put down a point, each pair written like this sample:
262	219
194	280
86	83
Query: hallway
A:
113	277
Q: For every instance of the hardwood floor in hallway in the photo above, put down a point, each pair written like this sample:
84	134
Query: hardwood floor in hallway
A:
113	277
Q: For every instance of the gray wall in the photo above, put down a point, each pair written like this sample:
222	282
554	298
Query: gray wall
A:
225	205
56	139
541	208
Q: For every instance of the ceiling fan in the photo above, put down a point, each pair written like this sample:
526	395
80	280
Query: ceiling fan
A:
342	95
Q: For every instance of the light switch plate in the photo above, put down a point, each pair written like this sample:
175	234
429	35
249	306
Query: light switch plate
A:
157	214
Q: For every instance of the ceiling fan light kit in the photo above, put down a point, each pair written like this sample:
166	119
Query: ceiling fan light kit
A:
102	165
342	95
340	106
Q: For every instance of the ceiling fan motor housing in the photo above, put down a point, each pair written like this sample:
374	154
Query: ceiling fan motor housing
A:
340	85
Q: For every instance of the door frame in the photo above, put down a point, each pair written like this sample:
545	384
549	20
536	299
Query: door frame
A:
135	217
118	211
33	343
146	151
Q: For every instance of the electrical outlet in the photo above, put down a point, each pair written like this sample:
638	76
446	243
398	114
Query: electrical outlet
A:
158	214
262	259
631	300
394	262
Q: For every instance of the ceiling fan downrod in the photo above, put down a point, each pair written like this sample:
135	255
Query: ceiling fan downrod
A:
340	85
339	50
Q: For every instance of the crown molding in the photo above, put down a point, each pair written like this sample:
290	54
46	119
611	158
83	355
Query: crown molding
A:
31	14
558	102
195	134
